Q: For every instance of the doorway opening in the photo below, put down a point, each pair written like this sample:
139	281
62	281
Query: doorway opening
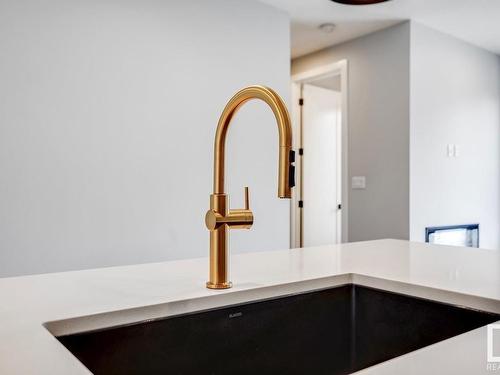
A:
319	208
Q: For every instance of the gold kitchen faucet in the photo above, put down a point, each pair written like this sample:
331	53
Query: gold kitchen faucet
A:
220	218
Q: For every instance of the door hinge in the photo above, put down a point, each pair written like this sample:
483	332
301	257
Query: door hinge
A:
301	151
301	204
301	101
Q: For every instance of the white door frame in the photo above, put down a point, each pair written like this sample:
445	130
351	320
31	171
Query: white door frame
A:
337	68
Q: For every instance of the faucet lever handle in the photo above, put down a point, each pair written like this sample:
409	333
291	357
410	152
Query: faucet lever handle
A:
247	198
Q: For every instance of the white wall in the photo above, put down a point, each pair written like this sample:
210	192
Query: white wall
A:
378	129
107	116
455	99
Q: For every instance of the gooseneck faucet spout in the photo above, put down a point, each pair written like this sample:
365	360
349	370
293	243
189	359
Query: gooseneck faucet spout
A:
284	130
220	218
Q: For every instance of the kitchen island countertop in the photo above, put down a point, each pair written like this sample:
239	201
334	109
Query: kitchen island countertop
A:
34	308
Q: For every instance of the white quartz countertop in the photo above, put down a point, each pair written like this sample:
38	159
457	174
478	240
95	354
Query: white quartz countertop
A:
464	276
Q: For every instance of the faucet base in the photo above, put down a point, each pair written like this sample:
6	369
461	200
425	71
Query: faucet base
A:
225	285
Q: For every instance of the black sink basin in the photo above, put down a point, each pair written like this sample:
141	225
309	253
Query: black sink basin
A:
333	331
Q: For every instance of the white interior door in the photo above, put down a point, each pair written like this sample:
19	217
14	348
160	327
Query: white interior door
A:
321	163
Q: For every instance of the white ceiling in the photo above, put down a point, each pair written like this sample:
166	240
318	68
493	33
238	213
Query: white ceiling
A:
475	21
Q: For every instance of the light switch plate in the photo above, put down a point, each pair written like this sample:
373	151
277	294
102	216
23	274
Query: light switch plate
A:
450	150
358	182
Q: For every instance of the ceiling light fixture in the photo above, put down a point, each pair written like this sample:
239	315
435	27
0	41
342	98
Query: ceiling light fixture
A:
359	2
327	27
